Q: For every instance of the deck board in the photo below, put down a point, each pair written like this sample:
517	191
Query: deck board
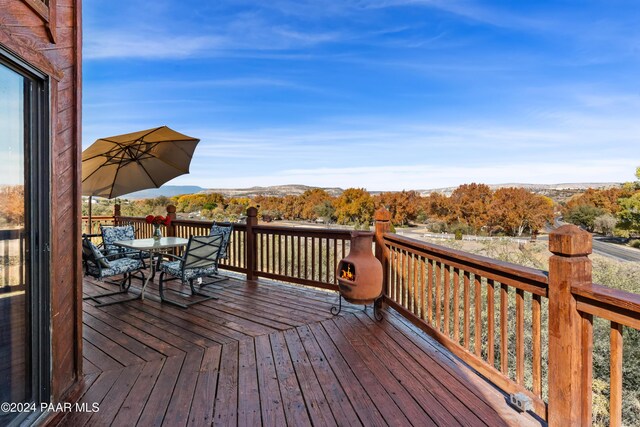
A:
271	354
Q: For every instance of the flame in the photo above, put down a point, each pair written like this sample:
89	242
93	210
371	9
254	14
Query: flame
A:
347	274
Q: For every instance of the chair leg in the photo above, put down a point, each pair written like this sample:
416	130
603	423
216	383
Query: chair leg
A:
124	286
178	303
194	292
168	300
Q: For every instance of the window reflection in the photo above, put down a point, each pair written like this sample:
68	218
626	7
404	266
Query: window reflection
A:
14	326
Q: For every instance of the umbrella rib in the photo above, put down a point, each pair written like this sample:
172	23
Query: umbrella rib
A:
115	176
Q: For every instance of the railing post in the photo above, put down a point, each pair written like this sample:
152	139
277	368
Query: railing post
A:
171	213
382	225
250	243
568	266
116	214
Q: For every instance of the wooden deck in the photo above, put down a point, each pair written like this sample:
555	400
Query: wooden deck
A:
271	354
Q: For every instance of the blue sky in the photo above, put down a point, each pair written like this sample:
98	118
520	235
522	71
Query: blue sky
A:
380	94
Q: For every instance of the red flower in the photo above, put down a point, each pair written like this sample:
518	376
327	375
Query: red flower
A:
157	220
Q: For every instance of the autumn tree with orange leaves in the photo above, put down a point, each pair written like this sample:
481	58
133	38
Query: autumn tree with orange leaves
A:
469	204
516	210
404	206
311	202
355	205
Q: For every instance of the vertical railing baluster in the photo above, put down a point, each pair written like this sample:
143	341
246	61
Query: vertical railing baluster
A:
313	258
438	279
447	298
456	305
490	321
327	258
478	314
536	335
334	266
286	254
403	279
615	374
467	310
417	294
430	290
520	336
504	330
587	369
409	276
423	291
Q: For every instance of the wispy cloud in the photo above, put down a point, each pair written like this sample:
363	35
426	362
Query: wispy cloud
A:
158	45
243	33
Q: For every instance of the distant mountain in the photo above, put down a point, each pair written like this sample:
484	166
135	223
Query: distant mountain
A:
274	190
165	190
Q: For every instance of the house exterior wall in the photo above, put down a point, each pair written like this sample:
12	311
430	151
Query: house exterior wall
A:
50	39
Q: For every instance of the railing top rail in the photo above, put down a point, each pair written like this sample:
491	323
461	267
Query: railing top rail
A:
538	278
96	217
310	231
206	223
608	303
11	234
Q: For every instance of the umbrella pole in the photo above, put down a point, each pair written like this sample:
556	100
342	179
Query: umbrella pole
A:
90	204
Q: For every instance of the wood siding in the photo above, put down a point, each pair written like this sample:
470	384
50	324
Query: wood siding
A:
30	35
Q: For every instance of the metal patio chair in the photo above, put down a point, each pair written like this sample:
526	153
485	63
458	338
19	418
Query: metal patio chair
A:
102	267
200	260
226	230
112	234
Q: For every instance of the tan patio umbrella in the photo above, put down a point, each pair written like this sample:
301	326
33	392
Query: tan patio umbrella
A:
122	164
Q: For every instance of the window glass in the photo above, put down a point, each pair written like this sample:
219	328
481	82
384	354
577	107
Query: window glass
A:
14	308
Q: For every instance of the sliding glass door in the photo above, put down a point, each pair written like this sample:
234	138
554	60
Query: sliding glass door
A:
24	264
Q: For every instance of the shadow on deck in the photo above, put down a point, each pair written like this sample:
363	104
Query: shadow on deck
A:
271	354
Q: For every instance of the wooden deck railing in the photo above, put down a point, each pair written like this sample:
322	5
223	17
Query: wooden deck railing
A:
307	256
471	304
12	266
621	309
526	330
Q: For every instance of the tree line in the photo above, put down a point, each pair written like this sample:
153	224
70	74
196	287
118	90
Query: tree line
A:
472	208
609	211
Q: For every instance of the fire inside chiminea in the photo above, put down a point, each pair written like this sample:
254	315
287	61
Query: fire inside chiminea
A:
348	271
360	273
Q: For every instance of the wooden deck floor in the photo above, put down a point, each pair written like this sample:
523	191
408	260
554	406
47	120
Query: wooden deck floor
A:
272	354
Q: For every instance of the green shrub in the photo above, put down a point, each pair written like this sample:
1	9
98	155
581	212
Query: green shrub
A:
458	234
635	243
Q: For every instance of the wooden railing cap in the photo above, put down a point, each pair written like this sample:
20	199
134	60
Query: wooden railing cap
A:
382	214
570	240
252	211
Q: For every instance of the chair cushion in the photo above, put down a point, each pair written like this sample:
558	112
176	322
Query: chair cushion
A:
117	266
225	230
175	268
92	253
113	234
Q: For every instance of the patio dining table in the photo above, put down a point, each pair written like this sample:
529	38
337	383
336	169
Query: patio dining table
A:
153	247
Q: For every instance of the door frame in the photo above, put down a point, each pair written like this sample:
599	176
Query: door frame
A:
37	153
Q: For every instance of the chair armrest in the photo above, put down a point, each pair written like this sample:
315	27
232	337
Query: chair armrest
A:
176	257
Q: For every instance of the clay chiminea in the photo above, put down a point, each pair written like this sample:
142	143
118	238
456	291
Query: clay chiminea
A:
360	273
